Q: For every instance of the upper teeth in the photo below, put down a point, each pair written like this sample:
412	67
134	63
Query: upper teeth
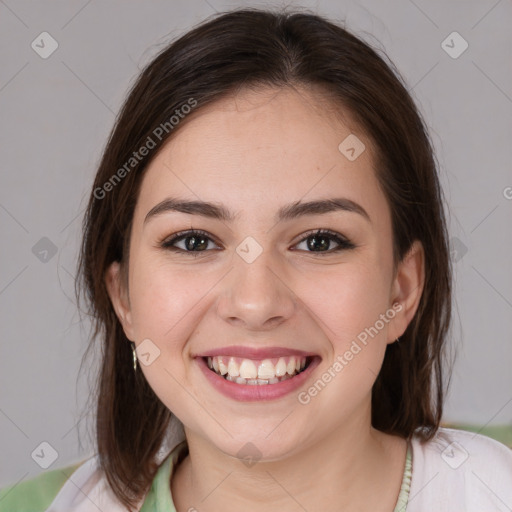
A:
256	369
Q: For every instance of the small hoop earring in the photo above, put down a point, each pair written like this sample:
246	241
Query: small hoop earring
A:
134	357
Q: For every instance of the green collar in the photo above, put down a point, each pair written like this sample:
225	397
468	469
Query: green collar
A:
159	497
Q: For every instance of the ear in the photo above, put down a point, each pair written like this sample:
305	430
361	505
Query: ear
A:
407	288
119	298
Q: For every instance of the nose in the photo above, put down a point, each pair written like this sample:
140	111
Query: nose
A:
256	296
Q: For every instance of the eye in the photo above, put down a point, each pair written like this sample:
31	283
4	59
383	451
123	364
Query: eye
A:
194	241
197	241
318	241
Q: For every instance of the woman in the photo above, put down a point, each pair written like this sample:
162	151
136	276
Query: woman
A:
265	254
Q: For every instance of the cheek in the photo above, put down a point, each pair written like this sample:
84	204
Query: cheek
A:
161	300
351	320
347	301
165	306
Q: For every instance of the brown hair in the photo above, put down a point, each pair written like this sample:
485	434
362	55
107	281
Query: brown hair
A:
251	47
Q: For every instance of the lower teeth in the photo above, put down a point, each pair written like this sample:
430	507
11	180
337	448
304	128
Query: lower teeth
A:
257	382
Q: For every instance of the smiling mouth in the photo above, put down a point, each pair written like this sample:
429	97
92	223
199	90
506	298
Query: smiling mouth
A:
257	372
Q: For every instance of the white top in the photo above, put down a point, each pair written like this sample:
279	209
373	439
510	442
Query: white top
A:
456	471
459	471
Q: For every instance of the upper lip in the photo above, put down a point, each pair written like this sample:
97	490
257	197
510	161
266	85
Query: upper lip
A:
255	352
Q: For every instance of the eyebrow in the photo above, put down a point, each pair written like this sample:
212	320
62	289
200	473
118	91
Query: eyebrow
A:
292	211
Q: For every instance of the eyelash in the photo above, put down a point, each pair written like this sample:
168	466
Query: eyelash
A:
344	243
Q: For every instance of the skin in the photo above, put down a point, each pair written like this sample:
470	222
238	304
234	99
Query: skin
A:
255	153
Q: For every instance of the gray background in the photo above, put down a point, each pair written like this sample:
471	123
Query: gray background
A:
57	112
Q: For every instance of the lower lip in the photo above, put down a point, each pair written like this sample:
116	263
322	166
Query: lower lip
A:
256	392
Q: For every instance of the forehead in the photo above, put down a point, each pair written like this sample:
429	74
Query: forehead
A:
273	122
262	148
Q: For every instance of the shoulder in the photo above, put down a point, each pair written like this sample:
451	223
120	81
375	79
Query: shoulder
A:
37	493
454	447
462	469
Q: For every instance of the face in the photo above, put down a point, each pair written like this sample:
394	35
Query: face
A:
262	288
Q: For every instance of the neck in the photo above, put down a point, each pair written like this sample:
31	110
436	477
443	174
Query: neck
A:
352	468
